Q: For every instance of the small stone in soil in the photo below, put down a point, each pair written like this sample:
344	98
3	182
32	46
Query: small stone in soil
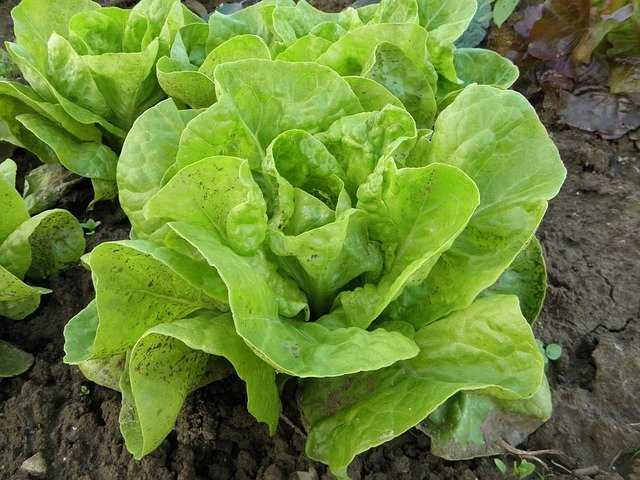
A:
35	465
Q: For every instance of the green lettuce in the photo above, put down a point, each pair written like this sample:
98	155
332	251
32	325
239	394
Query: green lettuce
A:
308	204
32	248
90	73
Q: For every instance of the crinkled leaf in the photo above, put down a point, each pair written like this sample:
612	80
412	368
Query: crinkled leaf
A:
598	111
217	193
291	346
351	53
149	150
487	346
276	96
496	138
415	214
359	141
414	84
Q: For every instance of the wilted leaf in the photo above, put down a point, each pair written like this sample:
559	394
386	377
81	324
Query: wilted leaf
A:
600	112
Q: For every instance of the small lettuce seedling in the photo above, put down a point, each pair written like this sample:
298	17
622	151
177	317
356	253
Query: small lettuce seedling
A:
353	203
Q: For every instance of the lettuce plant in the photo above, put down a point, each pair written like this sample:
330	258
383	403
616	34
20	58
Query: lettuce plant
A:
360	215
91	72
33	248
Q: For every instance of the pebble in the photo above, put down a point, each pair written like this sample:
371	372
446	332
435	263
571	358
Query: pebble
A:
35	465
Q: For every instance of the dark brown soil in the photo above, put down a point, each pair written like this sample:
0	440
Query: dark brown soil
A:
591	235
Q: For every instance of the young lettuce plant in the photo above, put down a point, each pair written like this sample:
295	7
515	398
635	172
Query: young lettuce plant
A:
307	223
91	72
30	247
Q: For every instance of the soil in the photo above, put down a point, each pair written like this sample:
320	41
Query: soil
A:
591	235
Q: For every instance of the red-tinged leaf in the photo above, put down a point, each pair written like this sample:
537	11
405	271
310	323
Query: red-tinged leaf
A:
561	27
599	111
596	33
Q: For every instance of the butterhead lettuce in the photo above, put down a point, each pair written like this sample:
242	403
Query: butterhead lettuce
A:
342	198
90	72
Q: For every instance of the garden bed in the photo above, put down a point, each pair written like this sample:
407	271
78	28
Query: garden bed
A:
592	244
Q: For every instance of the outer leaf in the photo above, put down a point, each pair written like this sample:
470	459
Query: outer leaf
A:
446	20
43	245
293	22
503	9
17	299
45	89
477	30
54	112
473	424
87	159
396	11
237	48
46	185
148	151
13	361
526	277
477	65
105	372
486	346
8	169
14	210
415	214
294	347
495	137
186	85
171	359
255	20
140	285
217	193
